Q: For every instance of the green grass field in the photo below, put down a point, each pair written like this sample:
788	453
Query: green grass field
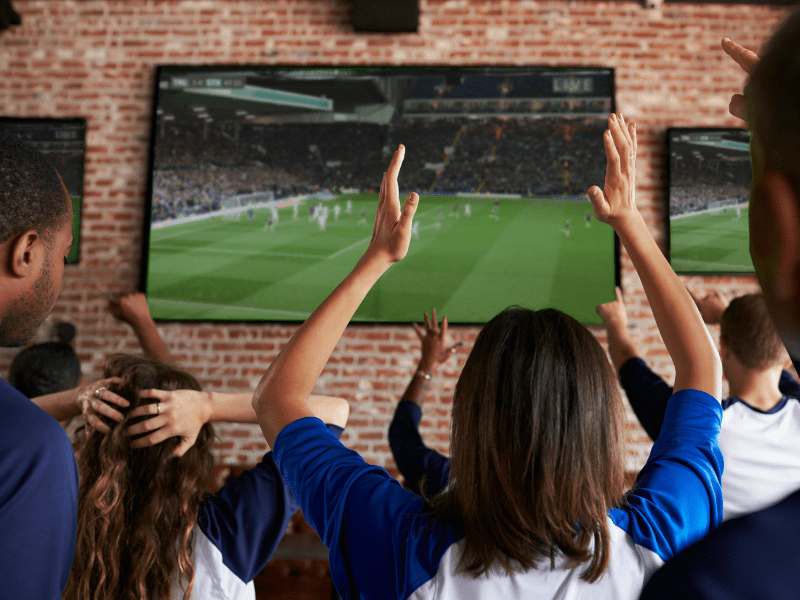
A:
468	268
711	243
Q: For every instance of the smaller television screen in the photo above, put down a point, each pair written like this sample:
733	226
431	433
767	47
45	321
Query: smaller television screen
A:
63	141
709	190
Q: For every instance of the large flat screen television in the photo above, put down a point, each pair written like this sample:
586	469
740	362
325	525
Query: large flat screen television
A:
63	141
264	184
709	190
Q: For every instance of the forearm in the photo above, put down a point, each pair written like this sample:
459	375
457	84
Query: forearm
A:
238	408
621	347
697	364
282	395
151	342
61	405
420	382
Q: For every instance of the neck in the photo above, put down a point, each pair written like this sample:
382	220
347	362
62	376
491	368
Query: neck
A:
758	388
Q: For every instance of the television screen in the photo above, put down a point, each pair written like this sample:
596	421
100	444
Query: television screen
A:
63	141
264	185
709	190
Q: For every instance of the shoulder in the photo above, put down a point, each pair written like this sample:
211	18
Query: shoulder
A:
30	438
212	577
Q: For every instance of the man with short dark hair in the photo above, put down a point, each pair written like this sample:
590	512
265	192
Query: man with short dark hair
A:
758	555
760	432
38	473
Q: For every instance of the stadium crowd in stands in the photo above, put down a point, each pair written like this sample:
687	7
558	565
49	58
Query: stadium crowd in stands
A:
196	168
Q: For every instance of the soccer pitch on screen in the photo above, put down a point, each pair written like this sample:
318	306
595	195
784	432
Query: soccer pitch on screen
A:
470	257
714	241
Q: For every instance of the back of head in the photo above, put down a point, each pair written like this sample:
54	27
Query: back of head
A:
31	192
45	369
776	93
747	329
536	445
136	507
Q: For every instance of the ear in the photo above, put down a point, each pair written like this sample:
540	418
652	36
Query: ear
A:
779	207
22	253
723	346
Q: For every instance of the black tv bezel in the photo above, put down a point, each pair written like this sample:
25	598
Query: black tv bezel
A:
56	121
444	69
667	187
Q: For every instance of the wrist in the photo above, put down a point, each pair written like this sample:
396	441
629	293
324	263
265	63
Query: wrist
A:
208	403
422	373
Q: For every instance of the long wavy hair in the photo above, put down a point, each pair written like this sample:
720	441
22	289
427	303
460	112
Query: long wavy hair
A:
137	507
536	446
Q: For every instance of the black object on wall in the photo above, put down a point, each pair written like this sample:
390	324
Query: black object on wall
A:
386	16
8	16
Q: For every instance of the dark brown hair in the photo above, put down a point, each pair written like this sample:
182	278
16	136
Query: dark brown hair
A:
137	507
776	86
536	446
748	331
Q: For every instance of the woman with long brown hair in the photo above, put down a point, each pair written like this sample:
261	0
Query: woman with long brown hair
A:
146	527
534	505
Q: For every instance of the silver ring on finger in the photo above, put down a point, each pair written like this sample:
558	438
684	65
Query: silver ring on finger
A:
97	392
158	408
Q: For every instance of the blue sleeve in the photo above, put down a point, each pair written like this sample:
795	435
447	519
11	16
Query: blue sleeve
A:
413	458
247	518
788	385
381	542
38	502
647	393
677	497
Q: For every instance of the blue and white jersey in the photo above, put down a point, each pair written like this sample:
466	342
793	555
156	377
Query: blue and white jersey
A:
762	454
237	531
382	543
761	448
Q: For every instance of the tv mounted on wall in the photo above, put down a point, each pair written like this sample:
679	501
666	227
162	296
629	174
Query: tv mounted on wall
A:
63	141
264	184
709	190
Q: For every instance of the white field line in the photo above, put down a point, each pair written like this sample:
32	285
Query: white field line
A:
350	247
180	233
709	263
193	304
213	250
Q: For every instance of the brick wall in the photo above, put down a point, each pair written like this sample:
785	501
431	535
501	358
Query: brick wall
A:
95	59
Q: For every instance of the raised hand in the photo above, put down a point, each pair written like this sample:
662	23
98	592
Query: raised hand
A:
613	313
748	60
131	308
93	401
392	232
433	338
617	200
711	306
178	413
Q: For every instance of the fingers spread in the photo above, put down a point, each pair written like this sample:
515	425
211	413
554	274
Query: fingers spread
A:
97	424
104	409
618	135
144	410
612	157
150	440
145	426
409	208
599	202
397	162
